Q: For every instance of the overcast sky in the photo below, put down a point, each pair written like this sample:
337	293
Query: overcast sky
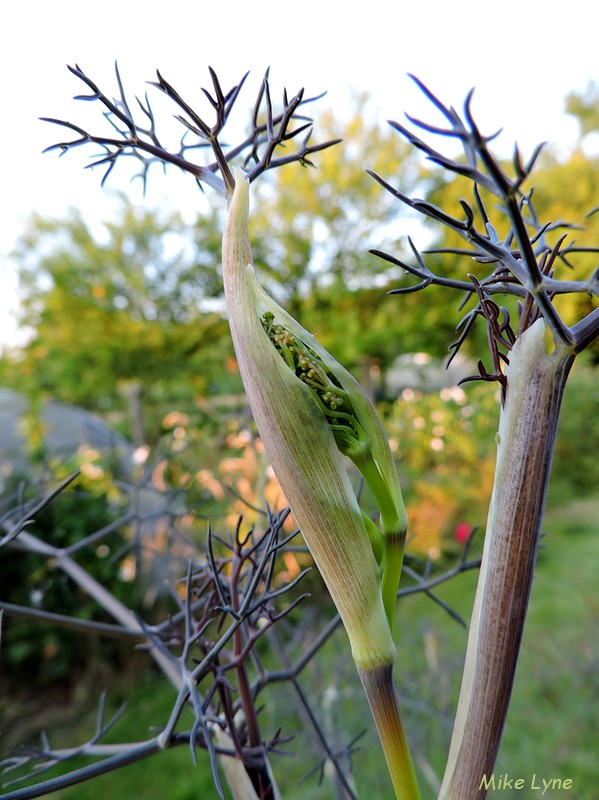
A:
523	58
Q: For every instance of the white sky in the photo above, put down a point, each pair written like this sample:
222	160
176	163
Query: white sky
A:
523	58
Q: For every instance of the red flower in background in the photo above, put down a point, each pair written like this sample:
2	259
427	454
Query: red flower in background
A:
462	532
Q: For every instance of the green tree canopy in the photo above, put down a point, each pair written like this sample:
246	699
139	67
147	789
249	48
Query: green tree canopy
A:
568	190
120	306
139	299
585	107
313	229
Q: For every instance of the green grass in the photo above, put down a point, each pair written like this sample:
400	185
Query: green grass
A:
170	774
552	729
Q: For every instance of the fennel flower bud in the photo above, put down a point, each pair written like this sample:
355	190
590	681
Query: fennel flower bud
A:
309	412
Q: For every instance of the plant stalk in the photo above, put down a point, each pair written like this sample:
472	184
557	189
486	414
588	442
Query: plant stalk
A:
526	440
380	691
394	530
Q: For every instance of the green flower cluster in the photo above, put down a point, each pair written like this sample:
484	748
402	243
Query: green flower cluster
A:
311	370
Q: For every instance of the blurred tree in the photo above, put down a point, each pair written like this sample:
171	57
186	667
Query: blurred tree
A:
585	107
120	306
139	300
569	193
314	226
313	229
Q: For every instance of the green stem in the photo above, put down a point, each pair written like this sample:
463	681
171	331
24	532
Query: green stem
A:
380	691
393	528
390	520
391	564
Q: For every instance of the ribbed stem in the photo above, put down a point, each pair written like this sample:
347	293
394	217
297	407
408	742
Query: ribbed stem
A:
393	530
526	439
380	691
391	564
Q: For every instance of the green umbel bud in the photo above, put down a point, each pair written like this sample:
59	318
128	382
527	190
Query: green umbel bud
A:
310	413
357	432
301	446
